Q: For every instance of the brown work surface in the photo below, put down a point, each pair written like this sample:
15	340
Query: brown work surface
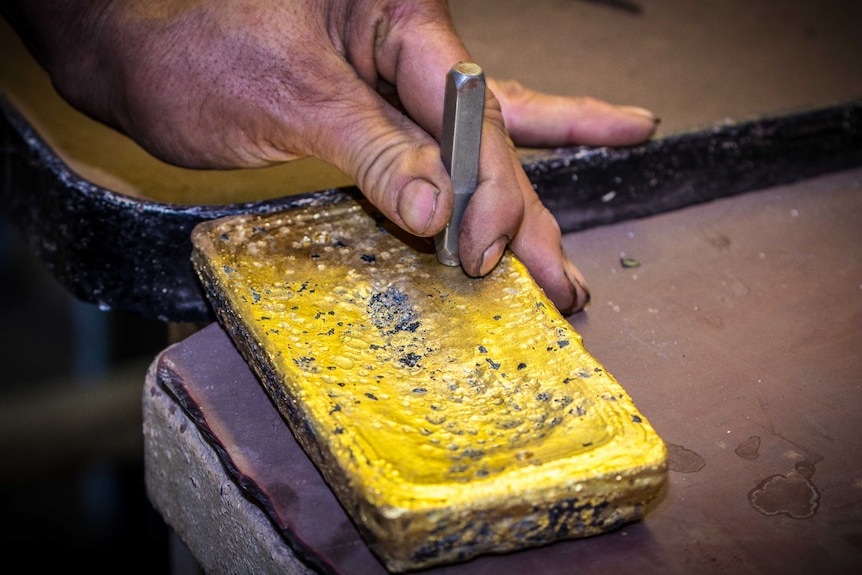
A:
738	333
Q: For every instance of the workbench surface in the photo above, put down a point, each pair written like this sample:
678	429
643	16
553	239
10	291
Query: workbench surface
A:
737	333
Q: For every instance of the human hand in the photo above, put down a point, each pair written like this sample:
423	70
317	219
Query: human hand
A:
251	83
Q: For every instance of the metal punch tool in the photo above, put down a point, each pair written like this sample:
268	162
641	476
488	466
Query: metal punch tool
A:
463	111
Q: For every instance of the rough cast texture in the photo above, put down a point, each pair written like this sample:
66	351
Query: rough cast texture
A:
451	416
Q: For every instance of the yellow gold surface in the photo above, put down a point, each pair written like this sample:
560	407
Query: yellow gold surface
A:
451	416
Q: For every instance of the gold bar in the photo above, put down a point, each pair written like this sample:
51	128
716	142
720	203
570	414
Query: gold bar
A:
451	416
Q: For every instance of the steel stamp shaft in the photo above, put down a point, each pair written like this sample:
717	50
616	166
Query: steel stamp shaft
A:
463	111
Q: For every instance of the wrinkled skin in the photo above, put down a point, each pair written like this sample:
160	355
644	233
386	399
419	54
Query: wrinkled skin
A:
246	83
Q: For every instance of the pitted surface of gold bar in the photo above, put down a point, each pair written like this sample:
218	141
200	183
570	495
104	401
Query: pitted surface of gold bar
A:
451	416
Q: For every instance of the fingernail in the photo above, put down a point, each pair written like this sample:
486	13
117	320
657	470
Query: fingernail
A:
584	296
492	255
416	205
643	112
579	285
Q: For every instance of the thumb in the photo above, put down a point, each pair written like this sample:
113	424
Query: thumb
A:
395	163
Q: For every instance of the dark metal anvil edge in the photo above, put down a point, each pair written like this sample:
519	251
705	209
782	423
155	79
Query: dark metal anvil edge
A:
133	255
